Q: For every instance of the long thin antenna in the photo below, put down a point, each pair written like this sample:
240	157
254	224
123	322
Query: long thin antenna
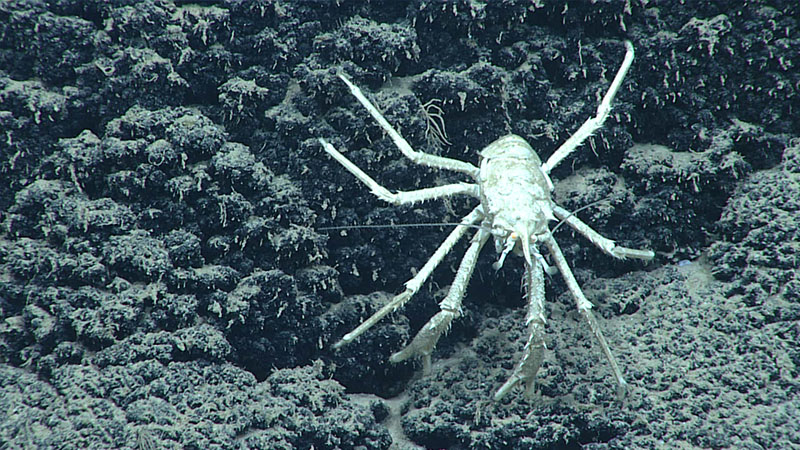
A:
446	224
399	225
561	222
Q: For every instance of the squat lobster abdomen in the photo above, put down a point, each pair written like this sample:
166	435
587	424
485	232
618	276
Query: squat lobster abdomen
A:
513	187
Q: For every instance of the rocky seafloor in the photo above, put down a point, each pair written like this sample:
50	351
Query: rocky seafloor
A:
167	279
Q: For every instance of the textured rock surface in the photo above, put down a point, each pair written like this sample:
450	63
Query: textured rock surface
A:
163	281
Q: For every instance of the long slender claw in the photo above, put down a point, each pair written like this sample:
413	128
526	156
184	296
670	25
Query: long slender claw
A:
533	354
585	309
622	390
396	302
426	339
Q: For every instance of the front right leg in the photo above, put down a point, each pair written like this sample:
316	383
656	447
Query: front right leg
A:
533	354
423	343
413	285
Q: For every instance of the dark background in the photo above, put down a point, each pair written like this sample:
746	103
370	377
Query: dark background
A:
164	284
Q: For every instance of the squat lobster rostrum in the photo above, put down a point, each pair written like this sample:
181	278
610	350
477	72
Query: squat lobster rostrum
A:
515	210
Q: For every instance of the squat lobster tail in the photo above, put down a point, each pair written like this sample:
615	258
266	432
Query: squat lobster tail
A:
516	206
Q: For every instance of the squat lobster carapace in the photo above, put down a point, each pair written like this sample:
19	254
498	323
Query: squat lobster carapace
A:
514	189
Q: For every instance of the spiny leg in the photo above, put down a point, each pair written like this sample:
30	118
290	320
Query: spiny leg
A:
593	124
532	356
415	156
400	197
413	285
427	337
585	308
603	243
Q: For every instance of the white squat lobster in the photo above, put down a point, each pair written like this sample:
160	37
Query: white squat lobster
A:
515	208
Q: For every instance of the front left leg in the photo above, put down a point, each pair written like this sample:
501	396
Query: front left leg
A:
585	308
